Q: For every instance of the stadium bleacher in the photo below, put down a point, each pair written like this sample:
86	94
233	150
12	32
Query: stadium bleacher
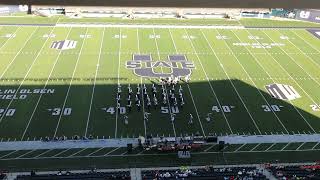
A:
296	172
206	173
68	175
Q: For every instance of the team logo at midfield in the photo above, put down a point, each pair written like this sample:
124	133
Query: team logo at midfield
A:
63	45
176	65
282	91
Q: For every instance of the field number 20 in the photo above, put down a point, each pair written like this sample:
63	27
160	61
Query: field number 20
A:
10	112
273	107
315	107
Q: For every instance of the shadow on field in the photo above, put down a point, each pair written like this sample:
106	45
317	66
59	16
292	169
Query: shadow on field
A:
246	109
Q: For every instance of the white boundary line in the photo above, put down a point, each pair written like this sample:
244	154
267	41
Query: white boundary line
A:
35	59
39	99
94	83
66	98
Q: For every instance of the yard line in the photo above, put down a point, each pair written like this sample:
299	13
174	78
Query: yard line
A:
61	152
315	145
285	146
165	86
39	99
35	59
119	58
143	110
255	147
257	87
94	83
301	145
77	152
254	122
291	78
306	55
295	82
8	154
25	43
95	151
66	98
246	74
239	148
43	153
7	40
25	154
111	151
210	147
270	147
191	95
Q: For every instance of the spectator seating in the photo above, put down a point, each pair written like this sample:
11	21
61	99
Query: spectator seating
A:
206	173
296	172
90	175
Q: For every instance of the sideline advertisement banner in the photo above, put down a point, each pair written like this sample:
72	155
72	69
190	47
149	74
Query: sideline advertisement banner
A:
311	15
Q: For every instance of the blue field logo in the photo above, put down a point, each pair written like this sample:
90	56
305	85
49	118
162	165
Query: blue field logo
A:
63	45
143	66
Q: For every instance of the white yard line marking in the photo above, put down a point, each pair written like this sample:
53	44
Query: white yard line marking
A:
69	87
270	147
294	81
61	152
244	105
25	154
7	40
256	85
95	151
35	59
43	153
301	146
315	145
237	59
17	53
119	58
191	95
143	110
239	147
214	145
39	99
77	152
254	147
165	86
111	151
285	146
8	154
94	83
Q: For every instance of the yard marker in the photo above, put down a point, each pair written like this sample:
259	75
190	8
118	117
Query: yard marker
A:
94	84
66	98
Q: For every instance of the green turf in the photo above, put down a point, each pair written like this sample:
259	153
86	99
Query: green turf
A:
224	74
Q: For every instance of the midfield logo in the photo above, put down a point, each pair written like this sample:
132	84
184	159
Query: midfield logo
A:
282	91
63	45
143	66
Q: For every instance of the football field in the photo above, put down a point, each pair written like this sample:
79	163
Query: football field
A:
63	81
